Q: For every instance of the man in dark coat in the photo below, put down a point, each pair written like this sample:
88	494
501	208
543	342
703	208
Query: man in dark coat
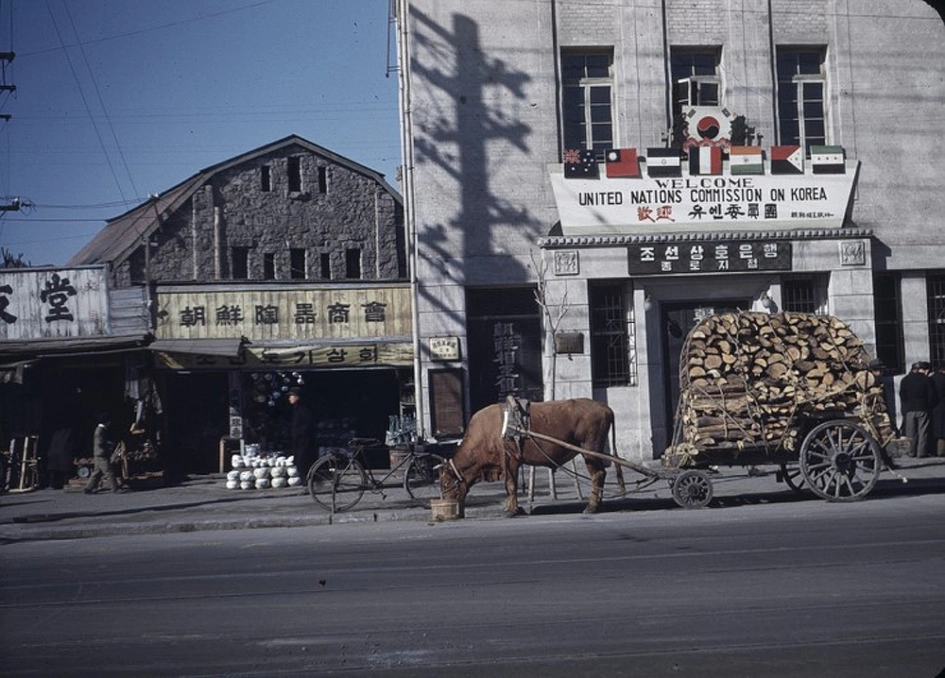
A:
917	396
938	412
302	432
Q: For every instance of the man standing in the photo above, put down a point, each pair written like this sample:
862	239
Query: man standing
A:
102	456
917	397
301	431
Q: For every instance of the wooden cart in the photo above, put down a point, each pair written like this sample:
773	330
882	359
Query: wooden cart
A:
790	389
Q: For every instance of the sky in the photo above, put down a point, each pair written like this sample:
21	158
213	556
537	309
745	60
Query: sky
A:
117	100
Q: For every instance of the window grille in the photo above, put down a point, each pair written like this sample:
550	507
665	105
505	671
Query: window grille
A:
887	305
696	81
802	79
611	359
800	295
935	285
587	101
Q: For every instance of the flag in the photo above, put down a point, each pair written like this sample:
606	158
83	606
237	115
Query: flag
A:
663	162
580	164
787	160
705	160
745	160
828	160
622	162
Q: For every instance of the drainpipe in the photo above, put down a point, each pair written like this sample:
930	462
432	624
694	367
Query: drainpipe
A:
406	143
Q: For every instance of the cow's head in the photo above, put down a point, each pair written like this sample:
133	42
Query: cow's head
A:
453	484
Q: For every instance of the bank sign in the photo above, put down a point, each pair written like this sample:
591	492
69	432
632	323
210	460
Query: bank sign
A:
692	202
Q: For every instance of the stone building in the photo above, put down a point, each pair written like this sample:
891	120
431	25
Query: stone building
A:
284	266
586	179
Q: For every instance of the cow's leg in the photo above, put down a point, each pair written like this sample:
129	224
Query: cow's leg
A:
511	487
597	472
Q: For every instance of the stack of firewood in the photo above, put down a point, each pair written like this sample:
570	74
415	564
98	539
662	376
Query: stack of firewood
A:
747	378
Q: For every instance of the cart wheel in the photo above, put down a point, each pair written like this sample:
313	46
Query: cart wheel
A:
840	461
792	477
692	489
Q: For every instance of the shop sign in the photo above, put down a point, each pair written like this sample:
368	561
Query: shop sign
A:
709	257
389	354
743	202
444	348
53	303
288	314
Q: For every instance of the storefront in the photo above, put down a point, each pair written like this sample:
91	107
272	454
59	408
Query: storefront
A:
227	355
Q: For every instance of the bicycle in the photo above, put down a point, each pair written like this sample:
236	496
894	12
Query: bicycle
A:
337	481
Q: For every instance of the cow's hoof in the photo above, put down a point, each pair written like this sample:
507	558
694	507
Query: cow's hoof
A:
516	513
591	509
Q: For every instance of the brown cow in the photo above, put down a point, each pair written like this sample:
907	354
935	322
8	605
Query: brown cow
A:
484	454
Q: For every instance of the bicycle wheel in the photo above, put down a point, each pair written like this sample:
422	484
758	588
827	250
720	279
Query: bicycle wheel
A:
336	483
422	477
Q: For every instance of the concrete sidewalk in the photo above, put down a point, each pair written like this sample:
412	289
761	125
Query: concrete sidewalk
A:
204	503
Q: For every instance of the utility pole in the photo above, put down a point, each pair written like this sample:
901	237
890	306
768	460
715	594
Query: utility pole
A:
6	58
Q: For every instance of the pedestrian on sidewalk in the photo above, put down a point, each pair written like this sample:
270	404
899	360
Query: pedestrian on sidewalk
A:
102	448
302	432
917	396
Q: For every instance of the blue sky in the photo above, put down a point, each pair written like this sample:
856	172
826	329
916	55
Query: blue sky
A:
119	99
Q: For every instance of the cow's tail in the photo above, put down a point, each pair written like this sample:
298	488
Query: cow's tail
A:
613	451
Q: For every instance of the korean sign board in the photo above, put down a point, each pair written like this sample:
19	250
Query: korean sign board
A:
709	257
285	314
53	303
702	202
297	356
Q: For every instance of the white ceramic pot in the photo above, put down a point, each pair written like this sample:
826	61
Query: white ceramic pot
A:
279	482
294	481
232	484
262	483
247	484
261	472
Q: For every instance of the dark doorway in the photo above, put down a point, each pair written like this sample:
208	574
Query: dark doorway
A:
504	337
196	417
678	319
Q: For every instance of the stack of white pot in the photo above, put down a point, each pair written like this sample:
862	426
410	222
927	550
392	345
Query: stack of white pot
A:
252	470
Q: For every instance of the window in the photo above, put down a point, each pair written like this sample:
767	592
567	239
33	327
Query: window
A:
353	263
269	266
801	86
323	180
294	169
240	263
297	263
326	266
610	345
587	101
265	178
936	293
887	305
696	80
803	295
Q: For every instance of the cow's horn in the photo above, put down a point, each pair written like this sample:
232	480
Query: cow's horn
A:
505	423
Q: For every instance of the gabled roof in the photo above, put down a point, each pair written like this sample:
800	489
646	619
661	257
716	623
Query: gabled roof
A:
124	233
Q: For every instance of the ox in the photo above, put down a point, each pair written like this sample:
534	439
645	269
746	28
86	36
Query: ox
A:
486	455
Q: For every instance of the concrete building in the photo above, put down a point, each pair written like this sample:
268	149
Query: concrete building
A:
583	180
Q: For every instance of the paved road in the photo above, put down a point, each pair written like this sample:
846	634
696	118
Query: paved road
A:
762	585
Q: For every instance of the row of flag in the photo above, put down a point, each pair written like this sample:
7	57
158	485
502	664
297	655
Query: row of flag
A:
668	162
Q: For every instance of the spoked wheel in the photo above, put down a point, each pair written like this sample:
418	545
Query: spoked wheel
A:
692	489
840	461
336	483
792	477
422	477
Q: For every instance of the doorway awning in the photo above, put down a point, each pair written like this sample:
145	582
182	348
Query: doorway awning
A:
228	348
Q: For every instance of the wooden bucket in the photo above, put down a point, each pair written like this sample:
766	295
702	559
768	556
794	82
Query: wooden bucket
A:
446	509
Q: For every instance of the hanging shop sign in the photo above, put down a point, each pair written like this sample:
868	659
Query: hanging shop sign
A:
709	257
745	192
271	314
53	303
